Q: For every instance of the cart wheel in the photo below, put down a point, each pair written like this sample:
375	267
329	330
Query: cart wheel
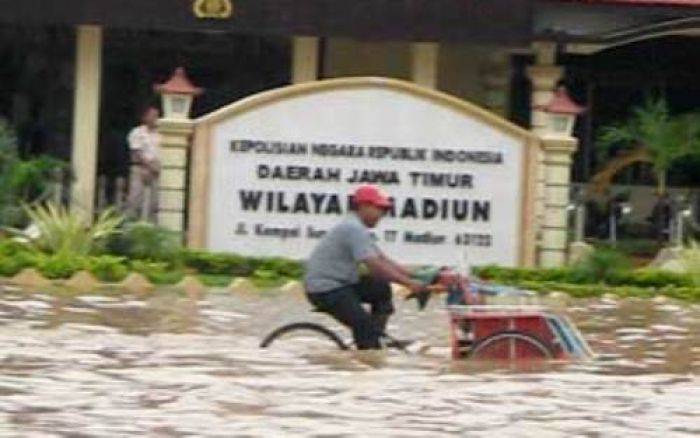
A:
303	327
510	345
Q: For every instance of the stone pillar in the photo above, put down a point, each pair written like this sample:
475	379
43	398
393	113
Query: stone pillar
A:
424	64
86	119
175	143
558	154
495	77
544	76
305	59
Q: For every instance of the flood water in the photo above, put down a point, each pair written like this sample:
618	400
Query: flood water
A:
171	366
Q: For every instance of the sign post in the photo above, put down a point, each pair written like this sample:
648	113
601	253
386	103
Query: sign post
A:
175	129
272	173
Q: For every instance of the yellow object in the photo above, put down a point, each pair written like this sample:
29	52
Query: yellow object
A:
214	9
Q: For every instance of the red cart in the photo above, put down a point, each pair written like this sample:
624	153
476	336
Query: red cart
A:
513	332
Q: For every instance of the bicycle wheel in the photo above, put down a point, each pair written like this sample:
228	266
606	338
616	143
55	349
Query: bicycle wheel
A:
511	345
298	327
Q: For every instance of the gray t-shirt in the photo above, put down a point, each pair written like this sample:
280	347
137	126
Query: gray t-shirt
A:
334	261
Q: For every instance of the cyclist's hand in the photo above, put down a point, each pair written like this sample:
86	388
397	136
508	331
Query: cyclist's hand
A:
416	287
436	288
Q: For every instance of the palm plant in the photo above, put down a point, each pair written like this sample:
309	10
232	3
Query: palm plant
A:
55	230
656	135
22	180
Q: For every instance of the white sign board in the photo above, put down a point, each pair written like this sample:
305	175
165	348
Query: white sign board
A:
281	173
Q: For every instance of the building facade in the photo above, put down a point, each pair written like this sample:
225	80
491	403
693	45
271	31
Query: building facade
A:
76	72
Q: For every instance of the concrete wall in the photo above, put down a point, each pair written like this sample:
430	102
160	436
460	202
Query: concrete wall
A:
460	70
461	67
346	57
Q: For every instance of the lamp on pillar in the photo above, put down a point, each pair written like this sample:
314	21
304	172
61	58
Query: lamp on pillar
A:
175	129
558	147
177	95
561	112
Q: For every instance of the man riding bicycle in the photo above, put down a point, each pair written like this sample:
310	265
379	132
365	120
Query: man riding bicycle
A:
333	281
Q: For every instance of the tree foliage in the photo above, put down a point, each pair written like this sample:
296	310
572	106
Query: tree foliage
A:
22	181
664	136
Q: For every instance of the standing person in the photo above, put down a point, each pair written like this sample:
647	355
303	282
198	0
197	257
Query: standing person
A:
144	145
333	282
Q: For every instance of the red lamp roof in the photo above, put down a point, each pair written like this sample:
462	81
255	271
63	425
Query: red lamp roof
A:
179	83
561	103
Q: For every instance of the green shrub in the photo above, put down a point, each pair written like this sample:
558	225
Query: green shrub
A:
59	266
632	247
14	263
264	278
215	280
239	266
496	273
600	266
642	278
690	258
22	181
282	267
60	231
10	247
144	241
220	263
649	278
108	268
158	272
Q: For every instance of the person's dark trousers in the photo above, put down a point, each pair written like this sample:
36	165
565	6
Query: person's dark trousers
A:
345	305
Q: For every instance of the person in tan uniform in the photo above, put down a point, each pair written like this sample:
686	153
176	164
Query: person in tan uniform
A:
144	145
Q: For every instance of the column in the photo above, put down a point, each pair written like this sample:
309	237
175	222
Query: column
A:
544	76
305	58
558	153
86	113
495	77
175	142
424	64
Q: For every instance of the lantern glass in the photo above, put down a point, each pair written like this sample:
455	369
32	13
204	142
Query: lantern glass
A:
561	124
176	106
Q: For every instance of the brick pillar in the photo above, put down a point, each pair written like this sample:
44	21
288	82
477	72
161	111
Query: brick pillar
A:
558	153
544	76
175	142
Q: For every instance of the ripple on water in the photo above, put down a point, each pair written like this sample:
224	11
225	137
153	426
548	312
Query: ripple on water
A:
165	366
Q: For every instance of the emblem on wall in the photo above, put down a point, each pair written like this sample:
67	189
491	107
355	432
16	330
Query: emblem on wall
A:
213	9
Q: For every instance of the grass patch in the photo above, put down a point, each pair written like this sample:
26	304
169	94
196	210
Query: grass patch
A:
215	280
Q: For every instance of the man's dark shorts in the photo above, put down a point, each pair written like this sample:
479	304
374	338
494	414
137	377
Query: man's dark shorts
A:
345	305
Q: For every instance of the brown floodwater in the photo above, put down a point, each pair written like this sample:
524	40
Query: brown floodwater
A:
170	366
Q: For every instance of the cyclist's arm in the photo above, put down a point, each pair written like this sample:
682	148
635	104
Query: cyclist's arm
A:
404	270
381	267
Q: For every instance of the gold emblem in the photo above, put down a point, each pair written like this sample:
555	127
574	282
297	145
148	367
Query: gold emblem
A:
218	9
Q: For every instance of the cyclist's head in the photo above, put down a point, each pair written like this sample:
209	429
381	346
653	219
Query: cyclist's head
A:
370	203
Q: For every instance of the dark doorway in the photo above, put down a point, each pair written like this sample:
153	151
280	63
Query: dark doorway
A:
36	87
613	81
227	66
